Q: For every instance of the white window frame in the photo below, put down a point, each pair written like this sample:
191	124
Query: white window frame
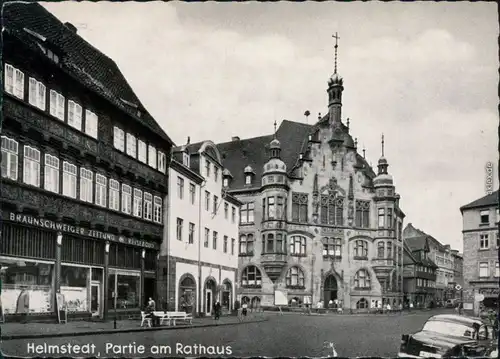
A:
10	154
137	203
75	115
91	123
192	193
248	179
114	195
57	105
179	229
51	175
86	185
101	185
486	267
152	156
70	176
119	138
158	209
225	182
484	238
162	162
31	166
37	93
185	159
180	187
131	145
497	270
14	81
142	151
148	206
126	199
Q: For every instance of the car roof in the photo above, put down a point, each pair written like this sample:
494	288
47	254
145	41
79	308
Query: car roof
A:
456	319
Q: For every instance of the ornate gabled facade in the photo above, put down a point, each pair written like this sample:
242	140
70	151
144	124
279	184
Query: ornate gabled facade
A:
316	221
84	174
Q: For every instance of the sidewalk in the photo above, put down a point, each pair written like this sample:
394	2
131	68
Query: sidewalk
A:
11	331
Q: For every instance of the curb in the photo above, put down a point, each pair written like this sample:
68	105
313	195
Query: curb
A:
128	330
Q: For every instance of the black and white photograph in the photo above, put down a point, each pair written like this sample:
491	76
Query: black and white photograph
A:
243	179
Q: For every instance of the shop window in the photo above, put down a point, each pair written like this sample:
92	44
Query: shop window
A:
26	286
74	283
187	294
126	285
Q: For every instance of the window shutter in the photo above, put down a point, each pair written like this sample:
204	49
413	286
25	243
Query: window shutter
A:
53	103
9	78
78	116
60	107
41	96
19	84
32	92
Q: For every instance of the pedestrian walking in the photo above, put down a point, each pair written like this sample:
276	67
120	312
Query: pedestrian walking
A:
411	306
217	310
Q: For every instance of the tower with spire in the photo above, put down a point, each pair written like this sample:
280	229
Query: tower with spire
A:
335	88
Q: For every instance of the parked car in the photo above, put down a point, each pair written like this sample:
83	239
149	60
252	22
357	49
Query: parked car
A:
450	335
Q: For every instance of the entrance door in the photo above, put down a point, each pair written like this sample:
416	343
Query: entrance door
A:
330	290
208	301
95	299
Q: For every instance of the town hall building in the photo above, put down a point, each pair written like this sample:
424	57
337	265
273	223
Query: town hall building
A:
316	223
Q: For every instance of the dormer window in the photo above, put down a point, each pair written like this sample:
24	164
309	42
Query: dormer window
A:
248	179
225	182
249	174
226	177
185	159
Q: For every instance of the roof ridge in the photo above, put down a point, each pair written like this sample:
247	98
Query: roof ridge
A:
241	140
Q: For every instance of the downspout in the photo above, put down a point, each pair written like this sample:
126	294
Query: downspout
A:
200	227
313	259
167	239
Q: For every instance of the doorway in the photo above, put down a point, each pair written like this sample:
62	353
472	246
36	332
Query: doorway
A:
330	290
208	303
95	299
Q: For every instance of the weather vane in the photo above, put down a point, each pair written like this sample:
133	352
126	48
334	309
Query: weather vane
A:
336	37
275	128
382	145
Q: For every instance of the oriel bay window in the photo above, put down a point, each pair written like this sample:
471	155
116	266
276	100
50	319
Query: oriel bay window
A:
31	166
246	244
299	207
332	210
380	250
10	150
271	213
332	247
280	208
362	279
298	246
389	249
360	249
295	278
51	173
247	213
363	214
69	179
251	277
114	194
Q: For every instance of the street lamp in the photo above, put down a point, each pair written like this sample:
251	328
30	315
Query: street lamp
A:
59	238
106	248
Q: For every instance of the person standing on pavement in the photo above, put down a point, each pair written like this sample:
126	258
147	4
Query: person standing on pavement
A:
217	310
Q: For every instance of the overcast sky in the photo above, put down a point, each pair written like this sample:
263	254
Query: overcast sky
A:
424	73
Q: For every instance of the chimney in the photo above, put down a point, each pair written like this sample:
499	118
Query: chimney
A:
71	27
235	138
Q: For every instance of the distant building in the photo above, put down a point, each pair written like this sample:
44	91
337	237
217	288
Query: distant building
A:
200	250
317	223
83	175
481	242
448	273
419	281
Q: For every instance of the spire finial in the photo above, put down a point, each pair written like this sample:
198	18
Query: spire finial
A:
275	124
382	145
307	113
364	151
336	37
356	142
319	116
348	122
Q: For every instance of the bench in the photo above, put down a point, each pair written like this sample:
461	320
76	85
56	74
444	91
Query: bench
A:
172	317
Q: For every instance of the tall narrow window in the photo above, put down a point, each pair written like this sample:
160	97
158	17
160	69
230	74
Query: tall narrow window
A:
69	179
152	156
180	223
247	213
226	211
114	194
214	240
119	139
91	123
100	190
31	166
137	205
126	199
361	249
207	237
14	81
389	249
271	210
180	187
280	209
483	270
299	207
363	214
131	145
141	151
148	206
484	241
207	201
57	102
37	93
216	204
191	233
381	217
51	182
192	193
233	214
185	159
162	162
224	245
380	250
86	178
207	168
390	224
10	150
74	115
233	241
158	209
216	173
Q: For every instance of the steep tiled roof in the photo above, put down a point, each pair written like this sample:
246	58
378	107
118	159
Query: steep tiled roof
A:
416	243
237	154
79	59
488	200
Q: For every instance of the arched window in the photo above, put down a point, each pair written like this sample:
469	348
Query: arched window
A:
380	250
361	249
245	300
332	210
246	244
187	294
255	303
362	304
362	279
298	246
332	247
251	276
295	277
389	249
